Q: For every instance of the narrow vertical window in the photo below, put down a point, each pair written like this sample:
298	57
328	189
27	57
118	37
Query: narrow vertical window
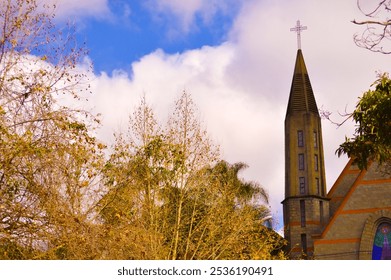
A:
304	243
316	163
302	213
300	138
301	161
302	185
317	186
315	139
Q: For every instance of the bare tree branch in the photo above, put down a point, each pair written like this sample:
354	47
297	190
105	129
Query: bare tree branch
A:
377	34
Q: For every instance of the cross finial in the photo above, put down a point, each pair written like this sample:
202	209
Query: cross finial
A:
298	28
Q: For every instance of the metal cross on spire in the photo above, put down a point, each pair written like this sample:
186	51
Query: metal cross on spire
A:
298	28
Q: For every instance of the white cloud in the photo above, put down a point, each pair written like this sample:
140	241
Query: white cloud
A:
234	118
80	8
182	14
242	86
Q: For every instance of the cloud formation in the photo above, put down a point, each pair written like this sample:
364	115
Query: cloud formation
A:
241	86
182	16
80	8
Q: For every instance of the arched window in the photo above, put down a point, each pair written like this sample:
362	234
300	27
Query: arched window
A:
372	241
382	242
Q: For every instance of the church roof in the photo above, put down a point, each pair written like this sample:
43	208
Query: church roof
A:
301	98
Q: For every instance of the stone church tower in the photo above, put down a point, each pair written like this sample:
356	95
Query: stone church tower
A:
353	220
305	205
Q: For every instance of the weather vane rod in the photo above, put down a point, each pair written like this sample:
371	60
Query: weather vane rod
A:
298	28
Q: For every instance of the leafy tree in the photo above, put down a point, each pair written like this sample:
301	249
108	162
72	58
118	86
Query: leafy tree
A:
170	197
371	141
227	216
48	159
162	194
150	169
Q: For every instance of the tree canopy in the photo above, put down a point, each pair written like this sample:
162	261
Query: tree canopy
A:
49	160
371	140
161	192
174	197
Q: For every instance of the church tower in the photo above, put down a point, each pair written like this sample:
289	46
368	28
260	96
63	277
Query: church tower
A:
305	205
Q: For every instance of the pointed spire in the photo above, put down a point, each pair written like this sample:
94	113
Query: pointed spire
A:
301	97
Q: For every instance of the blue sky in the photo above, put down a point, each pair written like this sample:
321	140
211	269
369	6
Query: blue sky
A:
236	58
134	30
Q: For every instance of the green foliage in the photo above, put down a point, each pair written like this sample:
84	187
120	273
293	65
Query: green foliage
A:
372	137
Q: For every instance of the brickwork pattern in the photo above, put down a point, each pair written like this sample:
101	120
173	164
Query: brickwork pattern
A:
350	232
